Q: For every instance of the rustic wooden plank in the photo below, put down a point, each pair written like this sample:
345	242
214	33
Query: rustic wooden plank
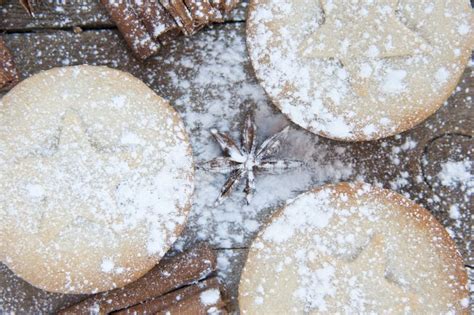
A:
210	72
19	296
231	262
394	162
53	14
452	199
67	14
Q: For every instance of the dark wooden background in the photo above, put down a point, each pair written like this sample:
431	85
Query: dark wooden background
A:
81	32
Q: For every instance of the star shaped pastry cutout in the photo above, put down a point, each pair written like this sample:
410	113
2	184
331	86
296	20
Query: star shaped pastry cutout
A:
81	168
248	159
356	32
369	269
372	264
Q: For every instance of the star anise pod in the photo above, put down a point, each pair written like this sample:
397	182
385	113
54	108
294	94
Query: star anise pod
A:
26	4
244	161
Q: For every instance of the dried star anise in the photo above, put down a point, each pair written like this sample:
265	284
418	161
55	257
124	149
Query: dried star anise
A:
26	4
244	161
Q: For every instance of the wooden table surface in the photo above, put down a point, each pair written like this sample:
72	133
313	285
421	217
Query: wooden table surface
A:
409	163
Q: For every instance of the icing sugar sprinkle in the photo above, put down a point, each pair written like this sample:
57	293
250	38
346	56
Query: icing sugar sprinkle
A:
112	170
458	174
210	297
336	67
107	265
353	249
208	79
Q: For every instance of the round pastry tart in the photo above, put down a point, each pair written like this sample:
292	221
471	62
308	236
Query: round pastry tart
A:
353	249
96	176
359	70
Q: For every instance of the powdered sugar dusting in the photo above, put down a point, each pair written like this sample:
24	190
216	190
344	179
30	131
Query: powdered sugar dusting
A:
393	82
458	174
93	172
351	248
233	225
336	67
210	297
283	229
206	102
107	265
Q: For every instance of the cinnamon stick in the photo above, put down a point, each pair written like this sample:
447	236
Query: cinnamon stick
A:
132	28
193	305
180	14
169	275
145	24
8	72
225	6
203	12
154	16
179	300
169	37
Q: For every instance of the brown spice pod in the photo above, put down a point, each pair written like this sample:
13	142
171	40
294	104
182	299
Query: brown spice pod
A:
8	73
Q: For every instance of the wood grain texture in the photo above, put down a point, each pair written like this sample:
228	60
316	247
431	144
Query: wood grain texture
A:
53	15
48	14
39	51
408	163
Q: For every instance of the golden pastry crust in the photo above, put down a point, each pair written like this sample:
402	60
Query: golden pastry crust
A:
353	248
388	81
96	173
